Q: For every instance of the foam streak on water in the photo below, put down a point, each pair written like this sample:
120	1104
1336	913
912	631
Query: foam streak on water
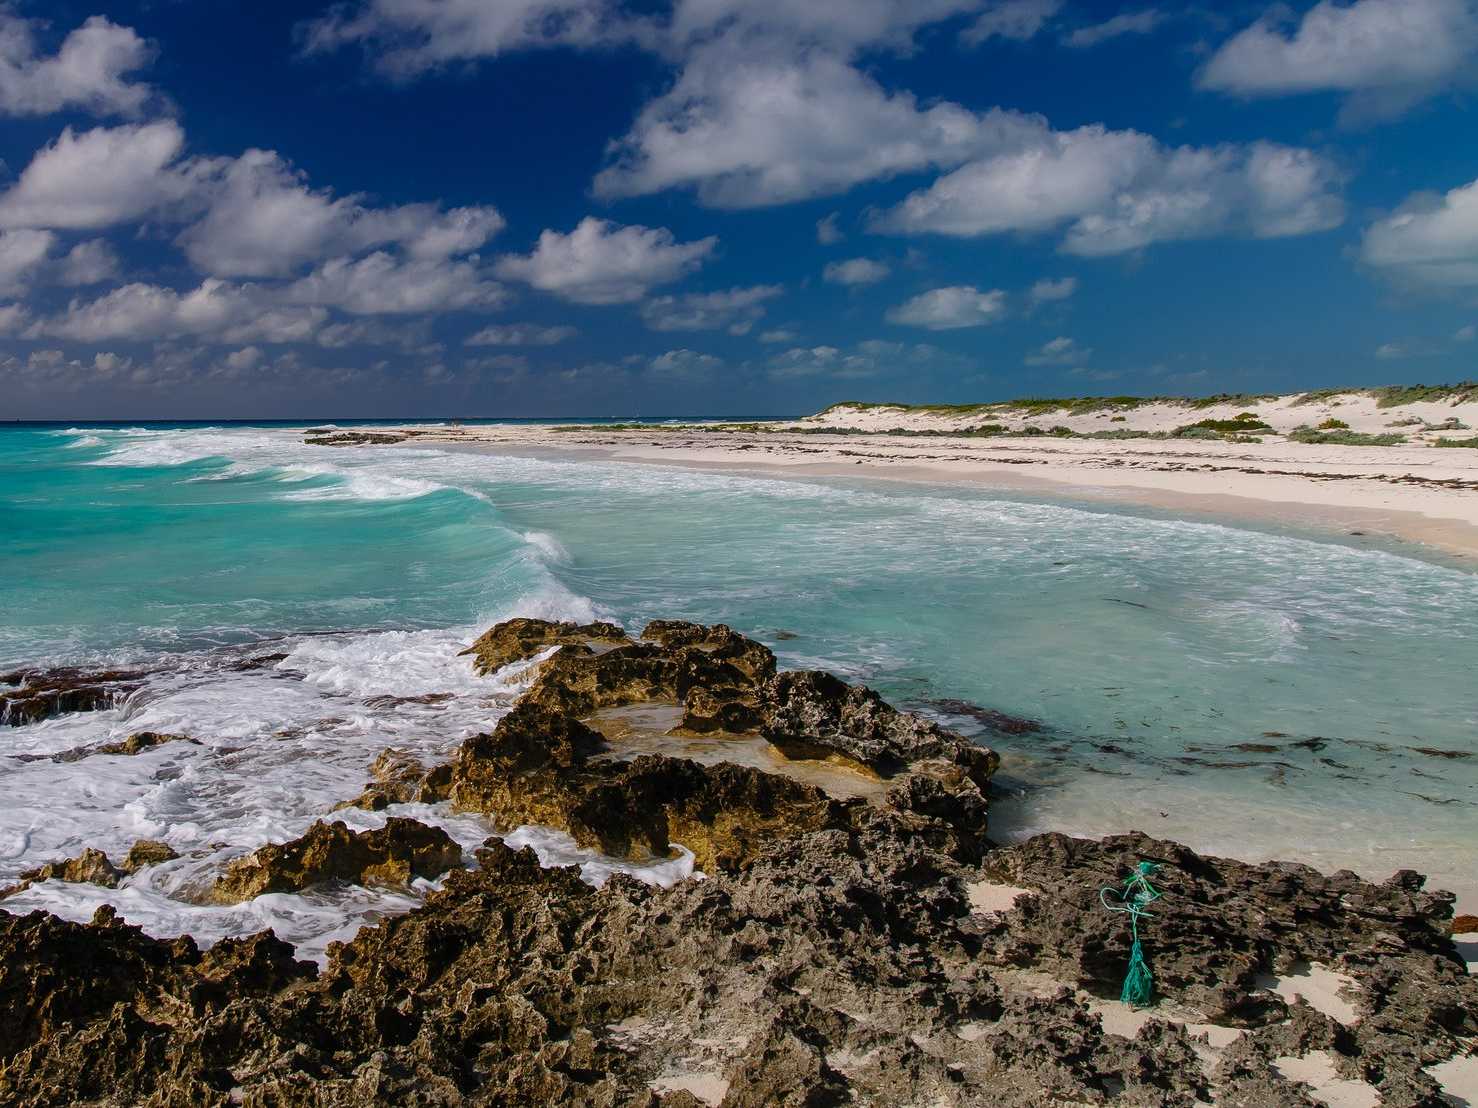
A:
1254	693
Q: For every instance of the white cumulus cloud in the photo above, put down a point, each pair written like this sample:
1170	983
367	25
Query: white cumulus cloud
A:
1389	54
600	262
736	309
951	308
89	71
102	177
1116	191
1429	240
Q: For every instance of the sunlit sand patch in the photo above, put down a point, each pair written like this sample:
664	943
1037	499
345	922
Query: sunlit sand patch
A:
988	897
710	1088
1458	1078
1316	1070
639	729
1323	990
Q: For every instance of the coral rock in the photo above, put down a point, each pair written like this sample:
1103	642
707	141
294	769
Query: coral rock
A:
392	855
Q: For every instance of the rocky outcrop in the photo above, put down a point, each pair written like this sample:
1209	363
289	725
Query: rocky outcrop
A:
390	855
27	696
536	767
541	764
90	867
354	438
147	852
400	778
839	951
515	640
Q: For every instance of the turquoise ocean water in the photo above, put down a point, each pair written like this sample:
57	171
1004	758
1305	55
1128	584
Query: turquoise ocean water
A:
1250	692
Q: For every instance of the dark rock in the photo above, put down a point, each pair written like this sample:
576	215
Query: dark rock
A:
140	741
999	722
517	639
39	694
391	855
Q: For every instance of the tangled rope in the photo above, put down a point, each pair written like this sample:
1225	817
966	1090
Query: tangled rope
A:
1135	896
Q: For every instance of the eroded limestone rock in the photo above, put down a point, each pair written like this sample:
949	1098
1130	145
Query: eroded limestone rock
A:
517	639
147	852
390	855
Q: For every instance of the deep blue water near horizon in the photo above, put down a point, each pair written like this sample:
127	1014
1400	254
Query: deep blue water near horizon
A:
1254	692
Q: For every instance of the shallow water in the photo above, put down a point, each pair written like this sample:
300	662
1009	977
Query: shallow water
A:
1248	692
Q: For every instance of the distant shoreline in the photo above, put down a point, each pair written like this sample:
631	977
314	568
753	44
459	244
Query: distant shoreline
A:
1357	463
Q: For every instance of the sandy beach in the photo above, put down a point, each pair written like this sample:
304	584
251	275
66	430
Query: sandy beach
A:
1412	491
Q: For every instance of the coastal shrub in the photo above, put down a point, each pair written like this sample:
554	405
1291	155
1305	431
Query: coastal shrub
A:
1119	419
1342	438
1061	430
1451	423
1333	424
1473	442
1210	428
1221	398
1245	438
1393	396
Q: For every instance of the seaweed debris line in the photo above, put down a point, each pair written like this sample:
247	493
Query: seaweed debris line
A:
856	936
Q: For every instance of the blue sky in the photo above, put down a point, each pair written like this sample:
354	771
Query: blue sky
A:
738	207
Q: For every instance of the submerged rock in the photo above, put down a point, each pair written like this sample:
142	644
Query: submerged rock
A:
140	741
391	855
400	778
27	696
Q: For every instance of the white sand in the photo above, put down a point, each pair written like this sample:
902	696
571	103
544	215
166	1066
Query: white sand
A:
1316	1070
1458	1078
710	1088
1322	989
988	897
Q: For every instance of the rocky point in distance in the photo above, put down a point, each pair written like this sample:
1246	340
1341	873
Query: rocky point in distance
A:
856	938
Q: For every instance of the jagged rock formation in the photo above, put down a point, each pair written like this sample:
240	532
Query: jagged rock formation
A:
390	855
840	951
517	639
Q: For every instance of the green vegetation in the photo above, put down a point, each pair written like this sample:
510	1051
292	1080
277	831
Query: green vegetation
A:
1393	396
1473	442
1241	425
1220	398
1332	424
1342	438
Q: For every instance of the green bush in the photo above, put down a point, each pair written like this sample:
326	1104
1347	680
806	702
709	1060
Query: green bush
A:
1332	424
1473	442
1343	438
